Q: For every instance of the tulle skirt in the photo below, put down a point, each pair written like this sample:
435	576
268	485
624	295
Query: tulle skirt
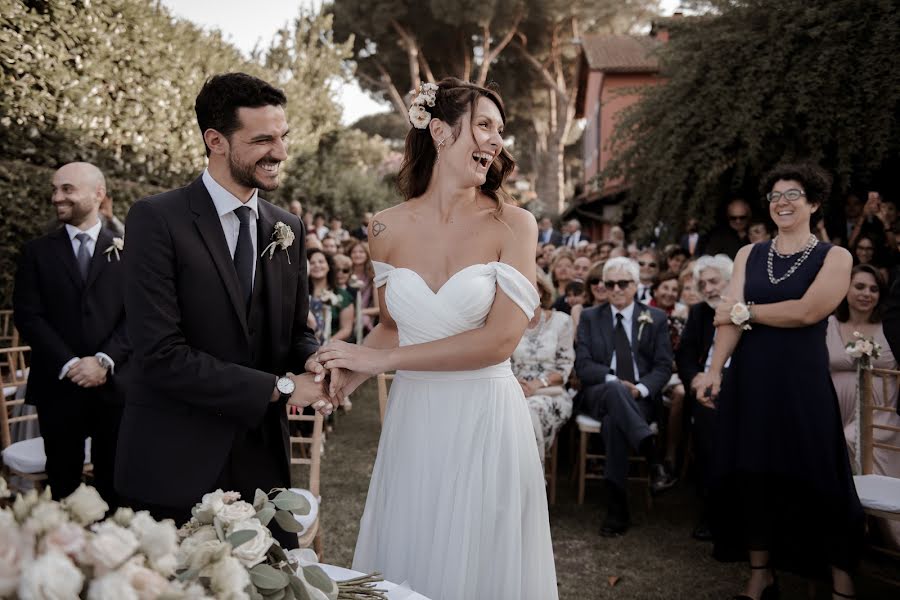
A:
457	506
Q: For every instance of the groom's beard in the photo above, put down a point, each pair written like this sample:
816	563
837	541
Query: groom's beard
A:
245	174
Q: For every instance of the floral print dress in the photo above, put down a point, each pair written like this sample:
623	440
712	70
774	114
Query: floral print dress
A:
544	349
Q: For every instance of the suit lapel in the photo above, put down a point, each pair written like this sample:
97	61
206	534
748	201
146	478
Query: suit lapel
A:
64	246
635	326
270	268
104	241
608	332
210	228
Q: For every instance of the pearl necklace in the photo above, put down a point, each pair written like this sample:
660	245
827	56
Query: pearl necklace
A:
810	244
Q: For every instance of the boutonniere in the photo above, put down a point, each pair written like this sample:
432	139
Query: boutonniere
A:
118	244
282	237
643	319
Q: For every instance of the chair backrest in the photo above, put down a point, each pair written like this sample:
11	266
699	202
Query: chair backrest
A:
308	450
383	379
13	374
8	334
868	407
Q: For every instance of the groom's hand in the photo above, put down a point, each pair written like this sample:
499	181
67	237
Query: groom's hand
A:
334	380
309	392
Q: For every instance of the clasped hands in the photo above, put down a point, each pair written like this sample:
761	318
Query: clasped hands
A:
87	372
332	373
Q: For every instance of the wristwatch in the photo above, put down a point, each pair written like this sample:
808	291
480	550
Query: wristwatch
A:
105	362
285	387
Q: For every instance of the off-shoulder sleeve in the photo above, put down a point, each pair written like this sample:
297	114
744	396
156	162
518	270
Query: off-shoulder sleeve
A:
382	270
517	287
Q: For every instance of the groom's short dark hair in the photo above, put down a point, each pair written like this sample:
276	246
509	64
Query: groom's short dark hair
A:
222	95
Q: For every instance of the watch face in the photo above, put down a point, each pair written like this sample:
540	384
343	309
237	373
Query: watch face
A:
285	385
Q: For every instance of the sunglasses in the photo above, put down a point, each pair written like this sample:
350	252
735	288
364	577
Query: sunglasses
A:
652	265
737	217
622	284
343	270
594	281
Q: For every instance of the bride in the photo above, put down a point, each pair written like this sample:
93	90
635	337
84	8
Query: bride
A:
456	505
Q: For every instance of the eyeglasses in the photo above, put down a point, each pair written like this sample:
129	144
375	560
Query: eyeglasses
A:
737	217
343	270
594	282
652	265
792	195
622	283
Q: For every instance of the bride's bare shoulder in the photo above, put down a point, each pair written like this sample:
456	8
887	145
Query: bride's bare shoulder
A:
384	226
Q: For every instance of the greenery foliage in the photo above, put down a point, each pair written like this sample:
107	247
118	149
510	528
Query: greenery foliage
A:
756	82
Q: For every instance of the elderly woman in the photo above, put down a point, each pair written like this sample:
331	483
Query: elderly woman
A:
783	487
861	312
542	362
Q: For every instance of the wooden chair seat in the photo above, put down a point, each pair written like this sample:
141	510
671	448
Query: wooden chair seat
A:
588	426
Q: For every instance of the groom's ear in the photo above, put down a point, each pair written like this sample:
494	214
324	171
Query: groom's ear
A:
215	141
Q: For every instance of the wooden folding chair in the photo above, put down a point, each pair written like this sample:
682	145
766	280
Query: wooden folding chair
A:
21	458
879	494
307	451
383	387
9	336
588	426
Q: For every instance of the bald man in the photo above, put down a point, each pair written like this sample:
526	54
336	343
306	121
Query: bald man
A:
69	307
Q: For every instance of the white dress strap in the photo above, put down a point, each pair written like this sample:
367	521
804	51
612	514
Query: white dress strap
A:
382	270
517	287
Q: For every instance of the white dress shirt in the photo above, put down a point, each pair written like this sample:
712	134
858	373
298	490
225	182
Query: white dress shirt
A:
627	316
225	203
94	232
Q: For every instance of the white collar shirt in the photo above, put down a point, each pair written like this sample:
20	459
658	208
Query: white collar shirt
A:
627	319
94	232
225	203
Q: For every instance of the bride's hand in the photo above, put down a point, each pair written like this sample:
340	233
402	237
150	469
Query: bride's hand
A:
352	357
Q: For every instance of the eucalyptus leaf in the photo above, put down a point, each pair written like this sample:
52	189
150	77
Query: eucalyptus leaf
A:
287	521
260	499
265	577
277	552
188	575
290	501
317	578
265	515
299	589
220	531
241	536
275	594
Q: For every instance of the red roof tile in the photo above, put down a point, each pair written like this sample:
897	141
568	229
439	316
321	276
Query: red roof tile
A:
620	53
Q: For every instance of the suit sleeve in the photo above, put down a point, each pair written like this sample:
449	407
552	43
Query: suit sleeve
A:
687	357
661	371
165	360
587	366
29	313
303	339
117	346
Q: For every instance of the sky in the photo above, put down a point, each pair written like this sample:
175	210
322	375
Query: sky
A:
244	24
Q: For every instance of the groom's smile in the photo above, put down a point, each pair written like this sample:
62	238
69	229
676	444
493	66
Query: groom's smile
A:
256	149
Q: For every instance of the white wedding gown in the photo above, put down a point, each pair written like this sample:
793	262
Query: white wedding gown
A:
456	504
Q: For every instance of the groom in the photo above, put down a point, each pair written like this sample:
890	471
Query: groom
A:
218	323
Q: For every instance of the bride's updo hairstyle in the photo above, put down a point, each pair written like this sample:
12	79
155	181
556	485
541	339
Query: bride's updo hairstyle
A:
453	99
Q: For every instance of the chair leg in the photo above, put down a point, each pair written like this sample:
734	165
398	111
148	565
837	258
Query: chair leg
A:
582	465
317	545
553	467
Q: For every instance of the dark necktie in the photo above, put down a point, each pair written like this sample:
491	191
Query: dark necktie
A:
84	255
243	253
624	358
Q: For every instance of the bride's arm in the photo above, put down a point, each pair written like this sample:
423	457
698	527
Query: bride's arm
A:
475	349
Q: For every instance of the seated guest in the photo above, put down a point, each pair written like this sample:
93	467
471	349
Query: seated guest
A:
603	250
867	251
759	232
332	308
623	358
689	294
574	296
675	259
595	292
665	292
648	261
695	348
542	363
364	277
580	267
561	271
861	312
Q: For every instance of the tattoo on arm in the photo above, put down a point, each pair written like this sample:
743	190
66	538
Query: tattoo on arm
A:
378	227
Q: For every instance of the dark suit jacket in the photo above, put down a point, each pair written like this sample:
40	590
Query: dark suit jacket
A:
62	317
699	248
696	340
564	239
195	388
595	347
555	238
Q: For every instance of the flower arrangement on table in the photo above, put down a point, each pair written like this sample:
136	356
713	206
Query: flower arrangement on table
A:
66	549
864	349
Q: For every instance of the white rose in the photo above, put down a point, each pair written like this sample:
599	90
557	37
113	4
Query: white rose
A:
118	243
865	347
110	546
50	577
16	550
229	578
238	511
24	503
418	116
853	351
147	583
85	505
205	533
209	506
191	590
740	313
112	586
44	517
254	551
157	539
4	489
68	539
123	516
205	554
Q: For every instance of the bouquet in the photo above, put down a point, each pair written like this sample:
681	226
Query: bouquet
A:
864	349
68	550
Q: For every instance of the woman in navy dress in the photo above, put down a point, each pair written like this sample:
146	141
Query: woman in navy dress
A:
782	482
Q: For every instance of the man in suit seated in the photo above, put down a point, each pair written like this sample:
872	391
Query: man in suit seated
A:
623	358
69	306
712	274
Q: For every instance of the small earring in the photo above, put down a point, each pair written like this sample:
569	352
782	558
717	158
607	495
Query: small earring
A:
441	143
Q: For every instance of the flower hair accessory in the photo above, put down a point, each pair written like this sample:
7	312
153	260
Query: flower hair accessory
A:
419	116
282	237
